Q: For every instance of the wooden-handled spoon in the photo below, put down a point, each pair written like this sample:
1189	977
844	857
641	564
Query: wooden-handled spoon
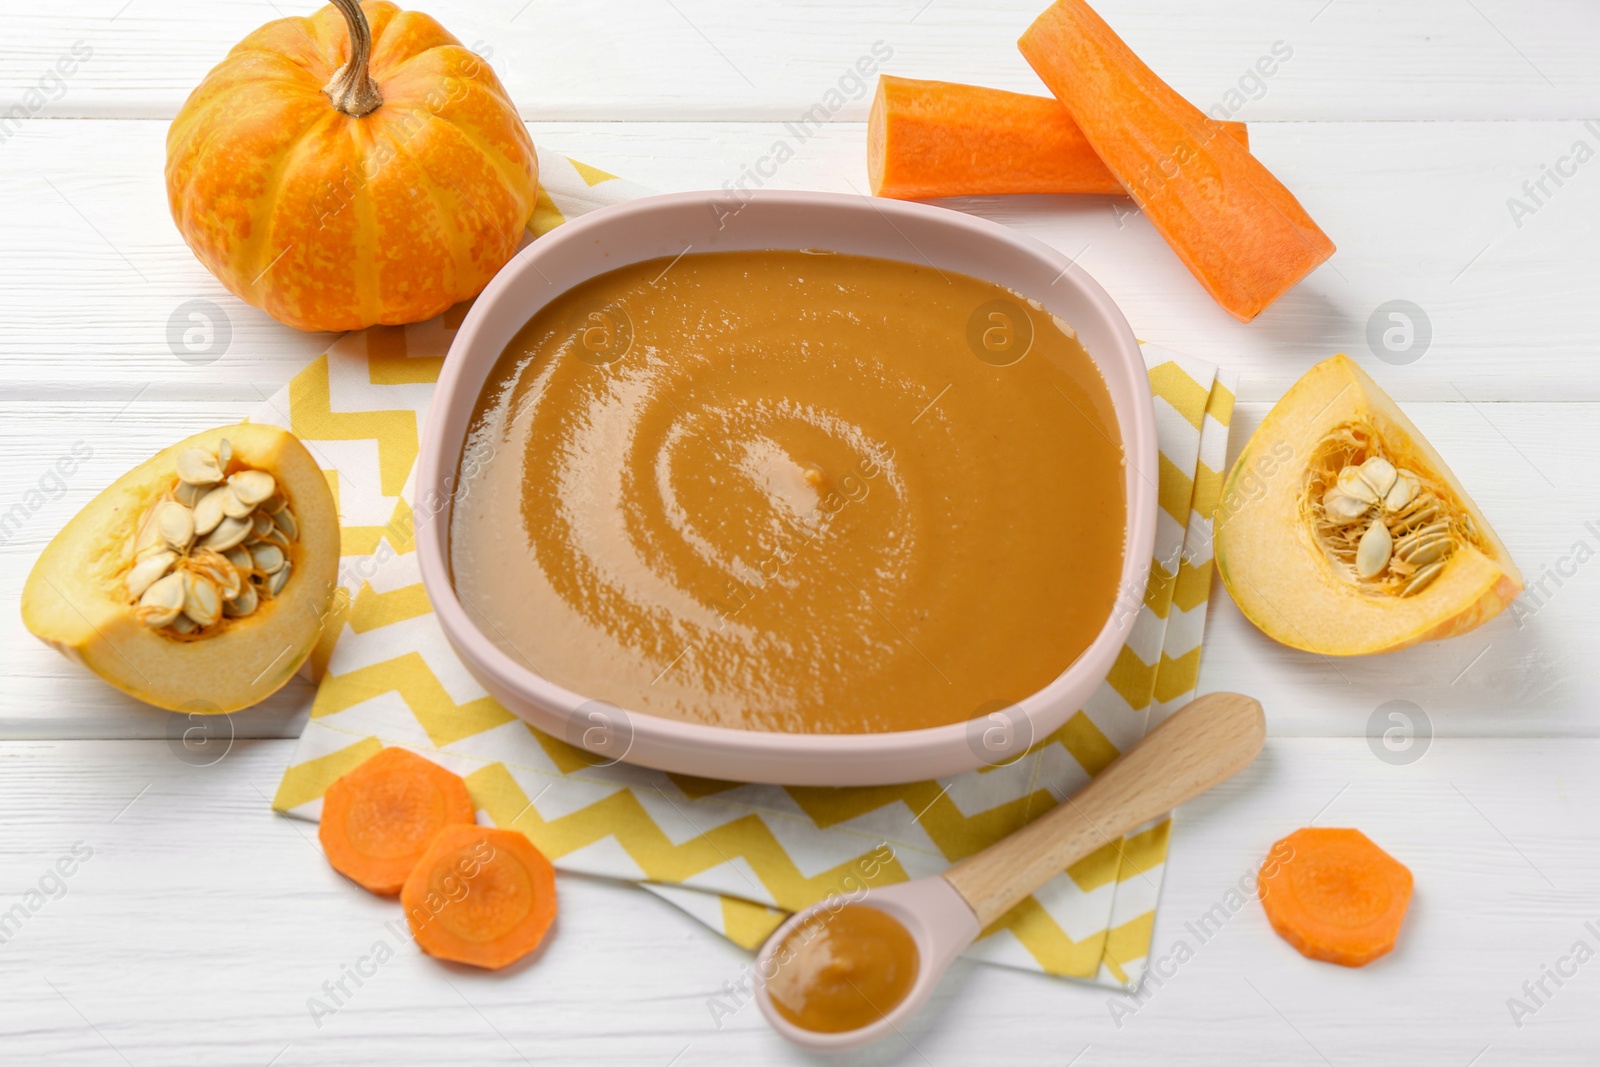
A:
1206	741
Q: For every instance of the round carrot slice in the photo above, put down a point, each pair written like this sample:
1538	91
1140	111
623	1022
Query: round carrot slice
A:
379	819
481	896
1335	895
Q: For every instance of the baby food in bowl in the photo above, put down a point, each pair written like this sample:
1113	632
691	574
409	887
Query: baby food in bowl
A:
838	507
792	492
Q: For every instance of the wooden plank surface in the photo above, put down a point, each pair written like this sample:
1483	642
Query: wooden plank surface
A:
202	923
1418	210
767	59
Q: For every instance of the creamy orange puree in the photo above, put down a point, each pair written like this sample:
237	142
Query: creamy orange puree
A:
844	971
796	492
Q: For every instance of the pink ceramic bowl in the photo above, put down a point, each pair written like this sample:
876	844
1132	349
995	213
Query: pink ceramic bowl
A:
717	221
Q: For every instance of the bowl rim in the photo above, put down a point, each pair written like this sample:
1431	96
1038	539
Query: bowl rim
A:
438	462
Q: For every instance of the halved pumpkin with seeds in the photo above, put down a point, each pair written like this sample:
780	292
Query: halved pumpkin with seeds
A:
1341	530
200	580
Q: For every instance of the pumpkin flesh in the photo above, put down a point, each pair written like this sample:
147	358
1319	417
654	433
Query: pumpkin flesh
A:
1273	562
75	600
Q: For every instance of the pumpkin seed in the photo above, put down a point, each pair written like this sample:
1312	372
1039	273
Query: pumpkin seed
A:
1380	475
201	601
198	467
1415	519
145	572
1372	555
1423	578
285	521
1351	483
1425	532
229	532
184	625
1400	493
1425	552
274	504
224	455
233	507
269	558
209	511
222	573
161	602
276	583
243	604
175	523
188	495
262	526
1342	508
252	487
241	560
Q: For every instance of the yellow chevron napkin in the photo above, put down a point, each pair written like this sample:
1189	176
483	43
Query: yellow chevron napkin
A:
737	857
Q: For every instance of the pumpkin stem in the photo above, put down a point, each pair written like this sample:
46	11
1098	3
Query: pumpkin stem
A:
352	89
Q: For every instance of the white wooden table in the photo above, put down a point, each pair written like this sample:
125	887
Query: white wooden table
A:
202	923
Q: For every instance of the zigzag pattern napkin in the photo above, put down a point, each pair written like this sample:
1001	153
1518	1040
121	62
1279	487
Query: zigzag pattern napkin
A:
736	857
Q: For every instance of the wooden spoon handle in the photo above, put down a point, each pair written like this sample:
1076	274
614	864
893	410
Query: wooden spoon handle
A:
1207	740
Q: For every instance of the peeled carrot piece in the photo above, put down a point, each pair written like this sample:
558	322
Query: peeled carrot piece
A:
1242	234
480	896
378	820
930	138
1335	895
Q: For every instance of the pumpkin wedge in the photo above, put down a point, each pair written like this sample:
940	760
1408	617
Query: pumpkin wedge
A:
1341	531
198	581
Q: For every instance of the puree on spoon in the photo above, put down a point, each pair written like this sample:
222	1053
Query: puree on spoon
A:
792	492
843	971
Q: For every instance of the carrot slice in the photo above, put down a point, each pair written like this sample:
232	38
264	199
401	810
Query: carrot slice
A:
378	819
481	896
1335	895
931	138
1243	235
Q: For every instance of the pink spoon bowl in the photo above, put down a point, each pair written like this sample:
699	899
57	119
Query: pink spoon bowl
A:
939	921
717	221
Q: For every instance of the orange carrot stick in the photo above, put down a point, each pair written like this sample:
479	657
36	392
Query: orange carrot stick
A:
379	819
481	896
928	139
1335	895
1243	235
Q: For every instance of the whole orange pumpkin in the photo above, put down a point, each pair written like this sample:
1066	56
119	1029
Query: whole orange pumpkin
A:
351	168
